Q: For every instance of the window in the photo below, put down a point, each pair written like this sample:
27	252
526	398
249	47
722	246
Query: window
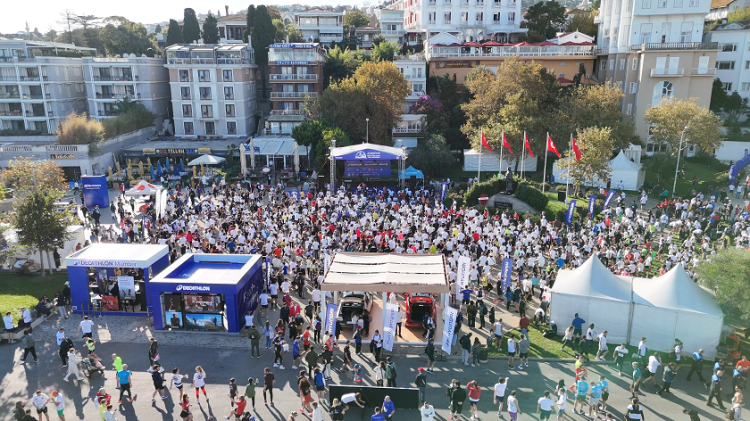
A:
561	76
231	127
479	17
228	92
633	87
694	3
187	110
662	90
184	76
447	17
511	17
204	76
646	4
207	111
630	5
727	86
615	31
417	87
646	33
686	32
725	65
227	75
622	64
635	63
661	4
205	93
666	29
185	92
618	6
563	64
210	127
728	47
496	17
188	125
747	65
677	3
604	65
629	109
612	64
432	17
464	17
745	86
230	110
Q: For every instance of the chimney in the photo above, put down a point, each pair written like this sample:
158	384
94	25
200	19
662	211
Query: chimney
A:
226	9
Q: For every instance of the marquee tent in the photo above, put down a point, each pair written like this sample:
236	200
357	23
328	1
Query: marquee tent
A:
674	306
597	295
491	161
411	171
206	160
622	169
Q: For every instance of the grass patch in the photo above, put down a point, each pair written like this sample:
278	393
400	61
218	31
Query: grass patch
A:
710	173
25	291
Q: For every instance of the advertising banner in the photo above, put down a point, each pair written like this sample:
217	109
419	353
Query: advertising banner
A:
390	318
608	199
592	205
95	191
570	212
331	310
448	328
443	191
507	272
268	271
126	285
464	267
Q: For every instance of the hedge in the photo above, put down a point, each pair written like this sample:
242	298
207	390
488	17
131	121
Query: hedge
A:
535	198
489	187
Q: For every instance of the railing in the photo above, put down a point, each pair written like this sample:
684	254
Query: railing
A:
227	79
276	131
677	72
6	95
206	97
703	72
107	113
392	31
204	79
406	130
61	148
287	112
229	97
231	115
113	78
8	78
17	113
31	78
294	77
35	96
207	115
184	79
187	114
676	46
113	95
529	51
33	114
294	94
186	97
209	61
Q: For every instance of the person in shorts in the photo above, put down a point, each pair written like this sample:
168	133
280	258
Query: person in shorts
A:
40	401
500	387
57	399
544	406
594	399
511	350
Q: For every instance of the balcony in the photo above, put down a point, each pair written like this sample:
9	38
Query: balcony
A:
287	112
114	95
6	95
186	115
206	97
675	46
207	115
11	113
407	130
293	77
186	98
33	96
113	78
8	78
676	72
525	51
397	32
184	79
300	95
229	97
231	115
33	114
227	79
276	131
204	79
31	78
703	72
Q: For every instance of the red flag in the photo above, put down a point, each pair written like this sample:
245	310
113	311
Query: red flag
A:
551	146
485	144
576	149
527	145
506	144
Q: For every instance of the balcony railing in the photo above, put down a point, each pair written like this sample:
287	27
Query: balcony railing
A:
107	113
294	94
186	97
209	61
184	79
31	78
676	46
206	97
8	78
276	131
294	77
231	115
13	113
6	95
676	72
34	96
406	130
113	78
228	79
528	51
229	97
287	112
703	72
391	31
114	95
33	114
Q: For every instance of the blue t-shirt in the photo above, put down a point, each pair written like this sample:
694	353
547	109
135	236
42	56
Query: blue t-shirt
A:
604	384
581	387
123	376
596	390
295	348
318	379
388	408
578	323
378	417
466	294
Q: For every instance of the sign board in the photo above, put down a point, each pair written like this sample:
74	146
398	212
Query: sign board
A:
503	205
292	63
126	285
448	328
331	311
62	156
295	46
389	325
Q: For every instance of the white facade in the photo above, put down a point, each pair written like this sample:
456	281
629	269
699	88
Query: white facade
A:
470	20
320	26
232	28
733	58
409	129
391	24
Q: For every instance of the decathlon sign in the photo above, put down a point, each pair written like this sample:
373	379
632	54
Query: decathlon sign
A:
190	288
104	263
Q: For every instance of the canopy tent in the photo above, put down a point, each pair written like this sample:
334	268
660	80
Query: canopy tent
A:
622	169
368	152
379	272
681	309
143	188
491	161
597	295
206	160
411	171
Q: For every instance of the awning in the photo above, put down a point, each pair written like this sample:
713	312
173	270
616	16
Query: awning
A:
369	152
379	272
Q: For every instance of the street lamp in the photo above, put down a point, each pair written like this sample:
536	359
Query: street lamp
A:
333	167
367	120
677	168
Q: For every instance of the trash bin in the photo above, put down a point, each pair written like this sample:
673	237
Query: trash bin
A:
561	196
483	353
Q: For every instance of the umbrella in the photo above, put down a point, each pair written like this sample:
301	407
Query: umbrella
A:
159	171
176	171
182	165
166	168
296	157
266	170
151	171
207	160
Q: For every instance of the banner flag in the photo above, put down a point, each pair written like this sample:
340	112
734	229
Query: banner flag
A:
570	212
389	325
448	328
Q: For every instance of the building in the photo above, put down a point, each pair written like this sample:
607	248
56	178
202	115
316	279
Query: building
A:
320	25
733	58
563	56
410	129
653	50
295	74
366	35
112	79
391	24
720	9
213	89
40	84
232	28
468	20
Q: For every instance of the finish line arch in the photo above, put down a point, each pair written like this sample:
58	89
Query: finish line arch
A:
735	169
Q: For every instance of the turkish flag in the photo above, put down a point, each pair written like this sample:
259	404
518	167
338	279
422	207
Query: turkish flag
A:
576	149
485	144
551	146
506	144
527	145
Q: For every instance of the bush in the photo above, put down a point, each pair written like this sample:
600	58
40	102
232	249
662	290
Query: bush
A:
535	198
705	159
20	133
135	119
78	129
489	187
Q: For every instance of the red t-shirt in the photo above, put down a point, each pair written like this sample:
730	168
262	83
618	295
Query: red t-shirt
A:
524	323
240	407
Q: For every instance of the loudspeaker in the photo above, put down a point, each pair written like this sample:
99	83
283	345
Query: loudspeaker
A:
413	182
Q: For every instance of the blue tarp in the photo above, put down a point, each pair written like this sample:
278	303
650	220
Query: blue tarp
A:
411	171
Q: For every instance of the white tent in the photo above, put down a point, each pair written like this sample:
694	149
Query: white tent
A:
597	295
143	188
491	161
206	160
622	169
674	306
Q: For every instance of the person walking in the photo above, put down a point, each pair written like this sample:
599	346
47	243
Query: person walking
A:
199	382
389	408
562	401
654	361
458	396
421	382
157	377
511	350
176	380
474	394
153	352
65	345
311	359
429	350
714	390
250	391
514	409
185	405
500	387
390	372
601	353
620	355
377	340
254	335
523	352
544	406
73	361
582	389
320	384
268	381
696	366
465	343
86	326
59	402
476	347
29	346
595	399
124	376
427	411
637	377
568	338
670	372
635	411
379	373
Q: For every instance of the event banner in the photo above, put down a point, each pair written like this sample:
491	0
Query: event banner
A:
268	272
390	318
331	311
464	267
443	191
608	199
327	262
126	285
592	205
507	271
570	212
448	328
95	191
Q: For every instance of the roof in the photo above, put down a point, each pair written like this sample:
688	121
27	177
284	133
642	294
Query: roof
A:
622	163
592	279
675	290
117	255
736	25
380	272
718	4
233	17
275	146
371	151
213	269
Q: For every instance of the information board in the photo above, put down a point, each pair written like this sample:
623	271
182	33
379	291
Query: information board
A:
367	169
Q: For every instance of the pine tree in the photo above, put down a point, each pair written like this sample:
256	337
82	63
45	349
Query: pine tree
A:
249	22
262	36
191	30
174	33
211	30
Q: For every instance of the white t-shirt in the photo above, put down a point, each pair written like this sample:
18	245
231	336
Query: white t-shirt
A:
8	322
39	400
545	404
27	316
653	364
512	404
500	389
562	400
59	403
511	345
199	379
86	326
428	414
59	335
349	397
248	320
264	299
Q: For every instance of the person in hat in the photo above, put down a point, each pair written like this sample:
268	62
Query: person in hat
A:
59	403
421	382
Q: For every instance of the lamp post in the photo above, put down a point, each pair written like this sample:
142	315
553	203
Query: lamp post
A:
333	167
677	168
367	138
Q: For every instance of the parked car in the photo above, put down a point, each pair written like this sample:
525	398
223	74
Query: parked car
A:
417	305
353	302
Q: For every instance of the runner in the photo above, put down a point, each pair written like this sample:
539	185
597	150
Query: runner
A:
199	382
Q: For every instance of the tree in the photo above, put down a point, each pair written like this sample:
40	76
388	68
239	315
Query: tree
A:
273	12
211	29
662	165
294	34
174	33
718	96
432	156
385	51
280	30
310	133
435	113
120	36
584	23
735	108
356	19
39	224
157	29
23	175
322	148
78	129
340	64
670	117
596	151
263	35
727	274
249	21
379	38
191	30
51	35
543	19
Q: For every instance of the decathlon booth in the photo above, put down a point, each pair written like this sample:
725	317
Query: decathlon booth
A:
114	278
207	292
368	161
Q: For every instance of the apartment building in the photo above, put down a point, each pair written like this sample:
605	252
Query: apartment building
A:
213	89
295	74
391	23
320	26
468	20
733	58
40	84
720	9
653	50
410	128
232	28
112	79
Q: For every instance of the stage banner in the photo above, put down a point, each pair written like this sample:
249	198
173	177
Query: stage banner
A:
592	205
608	199
448	328
507	271
569	213
390	318
331	310
464	267
95	191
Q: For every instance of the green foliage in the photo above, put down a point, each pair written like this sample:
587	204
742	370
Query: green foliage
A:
280	30
727	274
295	35
249	22
356	19
174	33
378	39
739	14
384	51
543	19
310	133
122	36
534	197
584	23
24	174
135	118
718	96
78	129
322	148
490	187
191	30
263	35
669	119
340	64
662	165
432	156
211	29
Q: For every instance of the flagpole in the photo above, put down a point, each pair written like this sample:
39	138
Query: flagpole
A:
567	178
479	168
544	173
502	146
523	155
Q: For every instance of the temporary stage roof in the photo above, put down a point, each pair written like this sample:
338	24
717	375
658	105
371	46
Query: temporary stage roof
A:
117	255
411	171
380	272
368	152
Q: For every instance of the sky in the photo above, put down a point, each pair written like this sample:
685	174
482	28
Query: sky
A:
47	14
